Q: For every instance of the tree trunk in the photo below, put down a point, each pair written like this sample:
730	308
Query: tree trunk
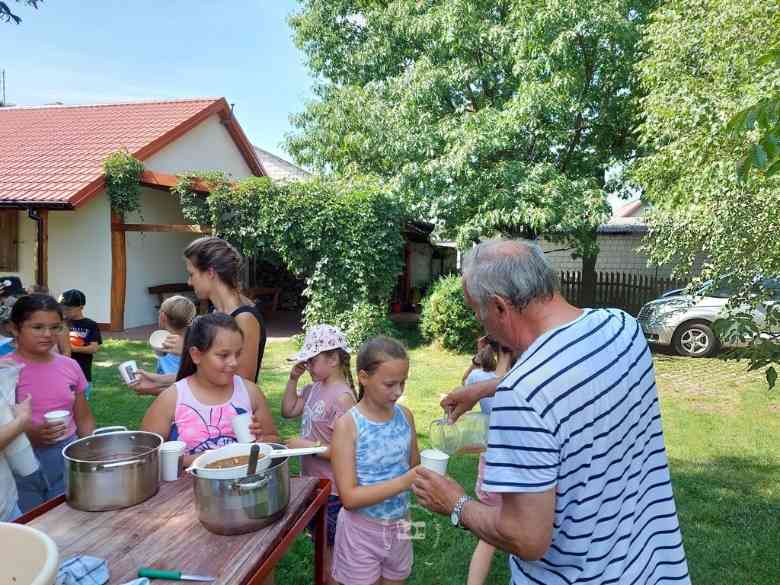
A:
588	288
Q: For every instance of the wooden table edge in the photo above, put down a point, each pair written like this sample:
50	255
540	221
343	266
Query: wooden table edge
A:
318	505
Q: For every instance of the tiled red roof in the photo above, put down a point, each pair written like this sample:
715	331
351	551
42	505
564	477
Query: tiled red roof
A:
54	154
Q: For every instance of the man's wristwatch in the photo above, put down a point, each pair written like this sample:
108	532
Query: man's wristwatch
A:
458	510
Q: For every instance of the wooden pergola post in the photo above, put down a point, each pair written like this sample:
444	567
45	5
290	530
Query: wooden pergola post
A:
42	249
118	272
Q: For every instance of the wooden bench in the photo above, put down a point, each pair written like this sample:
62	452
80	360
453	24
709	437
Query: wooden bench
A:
177	288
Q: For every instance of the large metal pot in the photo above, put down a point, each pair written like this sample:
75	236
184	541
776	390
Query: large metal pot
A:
112	470
236	506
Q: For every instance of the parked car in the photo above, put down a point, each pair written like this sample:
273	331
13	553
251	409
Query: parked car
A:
685	321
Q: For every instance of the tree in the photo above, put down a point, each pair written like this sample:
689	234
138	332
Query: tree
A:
485	115
703	66
8	16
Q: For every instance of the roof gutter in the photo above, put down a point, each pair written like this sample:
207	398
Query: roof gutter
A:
40	255
21	205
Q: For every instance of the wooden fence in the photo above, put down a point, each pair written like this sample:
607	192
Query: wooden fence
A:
618	289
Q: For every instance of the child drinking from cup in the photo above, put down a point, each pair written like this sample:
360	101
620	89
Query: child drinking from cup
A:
325	355
374	453
176	314
56	384
199	408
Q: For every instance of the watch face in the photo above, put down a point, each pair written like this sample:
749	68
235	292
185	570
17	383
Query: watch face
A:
454	518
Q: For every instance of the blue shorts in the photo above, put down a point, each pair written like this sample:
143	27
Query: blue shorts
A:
49	481
333	508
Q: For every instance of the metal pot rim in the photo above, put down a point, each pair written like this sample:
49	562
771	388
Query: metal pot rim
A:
106	461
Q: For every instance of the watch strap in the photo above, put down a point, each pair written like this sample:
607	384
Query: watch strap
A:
458	510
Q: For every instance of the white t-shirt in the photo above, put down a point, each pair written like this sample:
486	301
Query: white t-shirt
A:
579	413
8	493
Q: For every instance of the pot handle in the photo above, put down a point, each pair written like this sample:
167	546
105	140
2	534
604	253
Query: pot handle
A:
107	430
121	463
251	486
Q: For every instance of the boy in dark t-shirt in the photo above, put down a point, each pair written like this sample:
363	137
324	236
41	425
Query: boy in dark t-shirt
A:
85	338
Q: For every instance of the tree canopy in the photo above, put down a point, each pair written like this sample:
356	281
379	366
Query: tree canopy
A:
484	115
6	15
704	65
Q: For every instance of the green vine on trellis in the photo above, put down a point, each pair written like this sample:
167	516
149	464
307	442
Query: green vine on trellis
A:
123	181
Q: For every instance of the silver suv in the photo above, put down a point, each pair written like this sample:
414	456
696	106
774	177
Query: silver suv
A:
684	321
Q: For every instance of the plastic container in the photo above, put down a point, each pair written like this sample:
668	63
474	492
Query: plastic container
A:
28	556
467	435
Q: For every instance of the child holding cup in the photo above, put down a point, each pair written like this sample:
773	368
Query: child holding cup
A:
374	456
56	384
200	407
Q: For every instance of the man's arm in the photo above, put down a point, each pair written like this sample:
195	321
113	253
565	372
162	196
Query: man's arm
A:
522	525
463	399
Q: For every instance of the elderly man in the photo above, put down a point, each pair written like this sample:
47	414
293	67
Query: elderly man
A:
575	448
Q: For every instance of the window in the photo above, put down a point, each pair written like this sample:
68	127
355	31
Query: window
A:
9	240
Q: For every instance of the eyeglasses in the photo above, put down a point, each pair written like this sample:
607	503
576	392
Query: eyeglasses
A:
41	329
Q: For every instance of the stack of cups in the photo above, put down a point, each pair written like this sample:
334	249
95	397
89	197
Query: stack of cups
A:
171	459
19	453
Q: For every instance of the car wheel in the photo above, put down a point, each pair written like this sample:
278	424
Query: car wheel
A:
695	340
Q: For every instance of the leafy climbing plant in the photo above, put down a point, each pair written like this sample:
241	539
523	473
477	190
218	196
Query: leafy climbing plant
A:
123	176
343	236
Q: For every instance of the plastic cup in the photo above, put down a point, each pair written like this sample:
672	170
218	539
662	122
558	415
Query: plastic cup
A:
241	424
127	370
58	416
170	459
435	460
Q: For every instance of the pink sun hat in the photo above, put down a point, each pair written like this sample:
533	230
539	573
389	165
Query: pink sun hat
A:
318	339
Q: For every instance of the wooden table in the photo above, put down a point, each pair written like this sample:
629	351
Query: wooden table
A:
164	532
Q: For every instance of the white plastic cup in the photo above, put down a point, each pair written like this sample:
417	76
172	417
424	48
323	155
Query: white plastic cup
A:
170	459
241	424
58	416
435	460
157	339
128	371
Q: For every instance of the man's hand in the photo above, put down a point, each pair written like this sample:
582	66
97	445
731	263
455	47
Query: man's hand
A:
436	492
459	402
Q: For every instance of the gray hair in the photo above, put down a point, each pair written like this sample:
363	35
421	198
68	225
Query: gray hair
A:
517	271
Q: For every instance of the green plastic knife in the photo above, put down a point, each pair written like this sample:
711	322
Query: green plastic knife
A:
151	573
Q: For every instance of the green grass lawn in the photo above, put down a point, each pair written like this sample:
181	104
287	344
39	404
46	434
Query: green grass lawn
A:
721	427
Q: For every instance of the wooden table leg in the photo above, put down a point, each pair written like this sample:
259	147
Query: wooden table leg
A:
320	542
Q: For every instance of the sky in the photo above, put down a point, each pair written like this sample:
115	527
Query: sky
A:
98	51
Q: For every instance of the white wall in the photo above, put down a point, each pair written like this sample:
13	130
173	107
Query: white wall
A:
153	258
208	146
26	248
80	255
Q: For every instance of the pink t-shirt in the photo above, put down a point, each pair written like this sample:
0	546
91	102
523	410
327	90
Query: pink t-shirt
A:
53	385
321	410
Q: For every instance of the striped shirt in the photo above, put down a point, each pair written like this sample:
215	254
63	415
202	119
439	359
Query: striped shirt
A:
579	413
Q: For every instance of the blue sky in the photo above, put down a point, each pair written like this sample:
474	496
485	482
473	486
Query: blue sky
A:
94	51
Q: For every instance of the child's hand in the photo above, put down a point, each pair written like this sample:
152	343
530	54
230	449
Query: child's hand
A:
410	477
47	433
145	384
255	428
174	344
297	371
23	411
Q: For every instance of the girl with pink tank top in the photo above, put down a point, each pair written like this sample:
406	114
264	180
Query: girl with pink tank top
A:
199	408
325	355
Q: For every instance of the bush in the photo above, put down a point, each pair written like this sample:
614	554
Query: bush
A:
447	318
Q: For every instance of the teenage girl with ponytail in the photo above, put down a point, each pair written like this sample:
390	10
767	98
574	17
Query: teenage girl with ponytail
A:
331	393
199	408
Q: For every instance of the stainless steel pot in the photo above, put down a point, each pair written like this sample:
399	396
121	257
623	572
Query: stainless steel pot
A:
112	469
236	506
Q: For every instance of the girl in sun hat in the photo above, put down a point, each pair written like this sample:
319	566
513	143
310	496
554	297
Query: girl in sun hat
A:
331	393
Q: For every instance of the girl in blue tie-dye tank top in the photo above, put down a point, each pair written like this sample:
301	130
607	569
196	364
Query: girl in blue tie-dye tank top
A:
374	454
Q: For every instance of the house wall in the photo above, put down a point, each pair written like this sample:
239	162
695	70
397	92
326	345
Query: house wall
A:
153	258
617	253
208	146
26	250
80	255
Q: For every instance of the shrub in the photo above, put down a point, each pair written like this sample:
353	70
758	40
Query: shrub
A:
365	320
447	319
